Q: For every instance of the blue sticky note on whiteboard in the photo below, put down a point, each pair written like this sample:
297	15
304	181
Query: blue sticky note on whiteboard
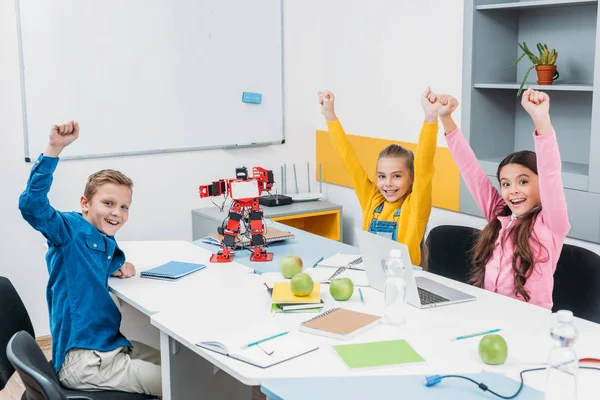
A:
250	97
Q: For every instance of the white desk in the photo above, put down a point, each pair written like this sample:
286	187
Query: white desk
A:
525	327
207	309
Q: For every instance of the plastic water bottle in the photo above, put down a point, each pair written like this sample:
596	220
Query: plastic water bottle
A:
395	290
563	362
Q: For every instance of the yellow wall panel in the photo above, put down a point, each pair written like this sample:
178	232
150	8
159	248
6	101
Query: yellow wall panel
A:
445	181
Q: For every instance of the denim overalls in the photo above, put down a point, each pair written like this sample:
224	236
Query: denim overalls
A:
385	228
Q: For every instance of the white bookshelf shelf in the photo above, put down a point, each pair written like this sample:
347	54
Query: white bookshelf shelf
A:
558	86
524	5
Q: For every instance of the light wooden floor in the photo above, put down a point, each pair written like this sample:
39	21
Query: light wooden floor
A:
14	389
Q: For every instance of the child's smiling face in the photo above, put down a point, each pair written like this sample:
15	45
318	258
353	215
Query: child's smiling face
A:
520	189
108	209
394	179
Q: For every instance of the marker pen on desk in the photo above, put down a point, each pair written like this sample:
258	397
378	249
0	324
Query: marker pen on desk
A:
264	340
475	334
362	299
318	261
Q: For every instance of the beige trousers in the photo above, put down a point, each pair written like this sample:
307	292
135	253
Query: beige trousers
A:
129	370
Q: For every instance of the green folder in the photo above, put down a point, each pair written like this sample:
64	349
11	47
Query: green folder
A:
378	354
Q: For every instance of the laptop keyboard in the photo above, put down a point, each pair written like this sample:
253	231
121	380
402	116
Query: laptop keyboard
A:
429	298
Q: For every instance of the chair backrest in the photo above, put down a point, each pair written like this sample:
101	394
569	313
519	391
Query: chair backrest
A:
577	283
33	368
447	251
13	318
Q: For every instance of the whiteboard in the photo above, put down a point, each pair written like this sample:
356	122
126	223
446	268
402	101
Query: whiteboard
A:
149	76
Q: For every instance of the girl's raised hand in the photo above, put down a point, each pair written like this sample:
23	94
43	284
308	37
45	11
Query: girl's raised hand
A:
430	105
448	105
327	100
537	105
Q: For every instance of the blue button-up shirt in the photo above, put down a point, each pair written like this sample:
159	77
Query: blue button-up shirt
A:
80	259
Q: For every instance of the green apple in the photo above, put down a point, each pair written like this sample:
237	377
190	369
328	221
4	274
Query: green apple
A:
493	349
290	266
302	284
341	289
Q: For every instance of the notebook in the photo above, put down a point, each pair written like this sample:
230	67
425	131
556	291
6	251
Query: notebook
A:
340	323
172	271
302	306
325	275
352	261
282	294
264	354
276	308
271	235
377	354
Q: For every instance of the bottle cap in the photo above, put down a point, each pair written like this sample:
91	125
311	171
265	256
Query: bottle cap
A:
395	253
564	316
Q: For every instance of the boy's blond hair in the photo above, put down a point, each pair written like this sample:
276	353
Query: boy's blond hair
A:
102	178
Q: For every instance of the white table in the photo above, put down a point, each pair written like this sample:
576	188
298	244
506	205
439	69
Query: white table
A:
198	308
524	326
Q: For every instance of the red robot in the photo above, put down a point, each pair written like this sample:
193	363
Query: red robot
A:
245	209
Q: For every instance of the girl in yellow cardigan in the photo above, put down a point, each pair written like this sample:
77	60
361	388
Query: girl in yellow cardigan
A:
398	204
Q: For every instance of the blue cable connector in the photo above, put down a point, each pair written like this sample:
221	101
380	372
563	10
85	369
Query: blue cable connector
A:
432	380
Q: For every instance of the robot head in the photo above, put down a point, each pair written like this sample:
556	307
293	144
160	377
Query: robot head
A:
241	173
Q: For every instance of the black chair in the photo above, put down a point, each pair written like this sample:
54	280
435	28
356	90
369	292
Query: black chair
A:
15	318
33	368
577	283
447	251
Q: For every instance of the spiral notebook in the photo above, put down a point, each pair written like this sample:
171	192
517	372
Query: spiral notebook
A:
340	323
172	271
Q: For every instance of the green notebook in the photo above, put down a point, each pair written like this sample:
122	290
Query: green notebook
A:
378	354
275	308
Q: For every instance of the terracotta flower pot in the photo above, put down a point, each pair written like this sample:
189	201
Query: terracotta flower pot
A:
546	74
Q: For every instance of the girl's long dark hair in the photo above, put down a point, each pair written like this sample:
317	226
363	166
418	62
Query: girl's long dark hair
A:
521	232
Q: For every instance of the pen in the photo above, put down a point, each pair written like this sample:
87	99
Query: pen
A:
264	340
475	334
318	261
269	290
362	299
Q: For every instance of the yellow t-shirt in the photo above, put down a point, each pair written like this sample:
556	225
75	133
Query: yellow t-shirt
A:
416	207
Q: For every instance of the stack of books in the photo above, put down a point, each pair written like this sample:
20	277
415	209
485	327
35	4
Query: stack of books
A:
284	301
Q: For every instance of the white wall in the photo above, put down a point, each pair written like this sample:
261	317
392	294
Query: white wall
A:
166	186
377	56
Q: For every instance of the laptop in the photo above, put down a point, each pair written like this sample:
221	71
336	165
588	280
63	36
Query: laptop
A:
421	292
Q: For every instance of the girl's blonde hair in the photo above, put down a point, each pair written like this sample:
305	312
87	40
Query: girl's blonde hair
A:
397	151
102	178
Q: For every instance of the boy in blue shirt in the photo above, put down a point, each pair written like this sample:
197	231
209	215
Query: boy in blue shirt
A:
88	350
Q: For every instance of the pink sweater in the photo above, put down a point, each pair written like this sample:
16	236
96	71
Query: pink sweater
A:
550	227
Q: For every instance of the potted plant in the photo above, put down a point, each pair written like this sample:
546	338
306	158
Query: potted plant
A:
544	64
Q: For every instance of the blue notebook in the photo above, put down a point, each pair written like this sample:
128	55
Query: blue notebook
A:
172	271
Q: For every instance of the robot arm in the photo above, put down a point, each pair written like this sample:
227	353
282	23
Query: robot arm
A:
264	177
217	188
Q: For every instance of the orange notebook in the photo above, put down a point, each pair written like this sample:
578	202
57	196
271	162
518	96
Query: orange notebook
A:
340	323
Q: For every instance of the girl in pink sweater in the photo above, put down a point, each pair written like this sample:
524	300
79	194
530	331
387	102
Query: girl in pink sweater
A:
516	253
